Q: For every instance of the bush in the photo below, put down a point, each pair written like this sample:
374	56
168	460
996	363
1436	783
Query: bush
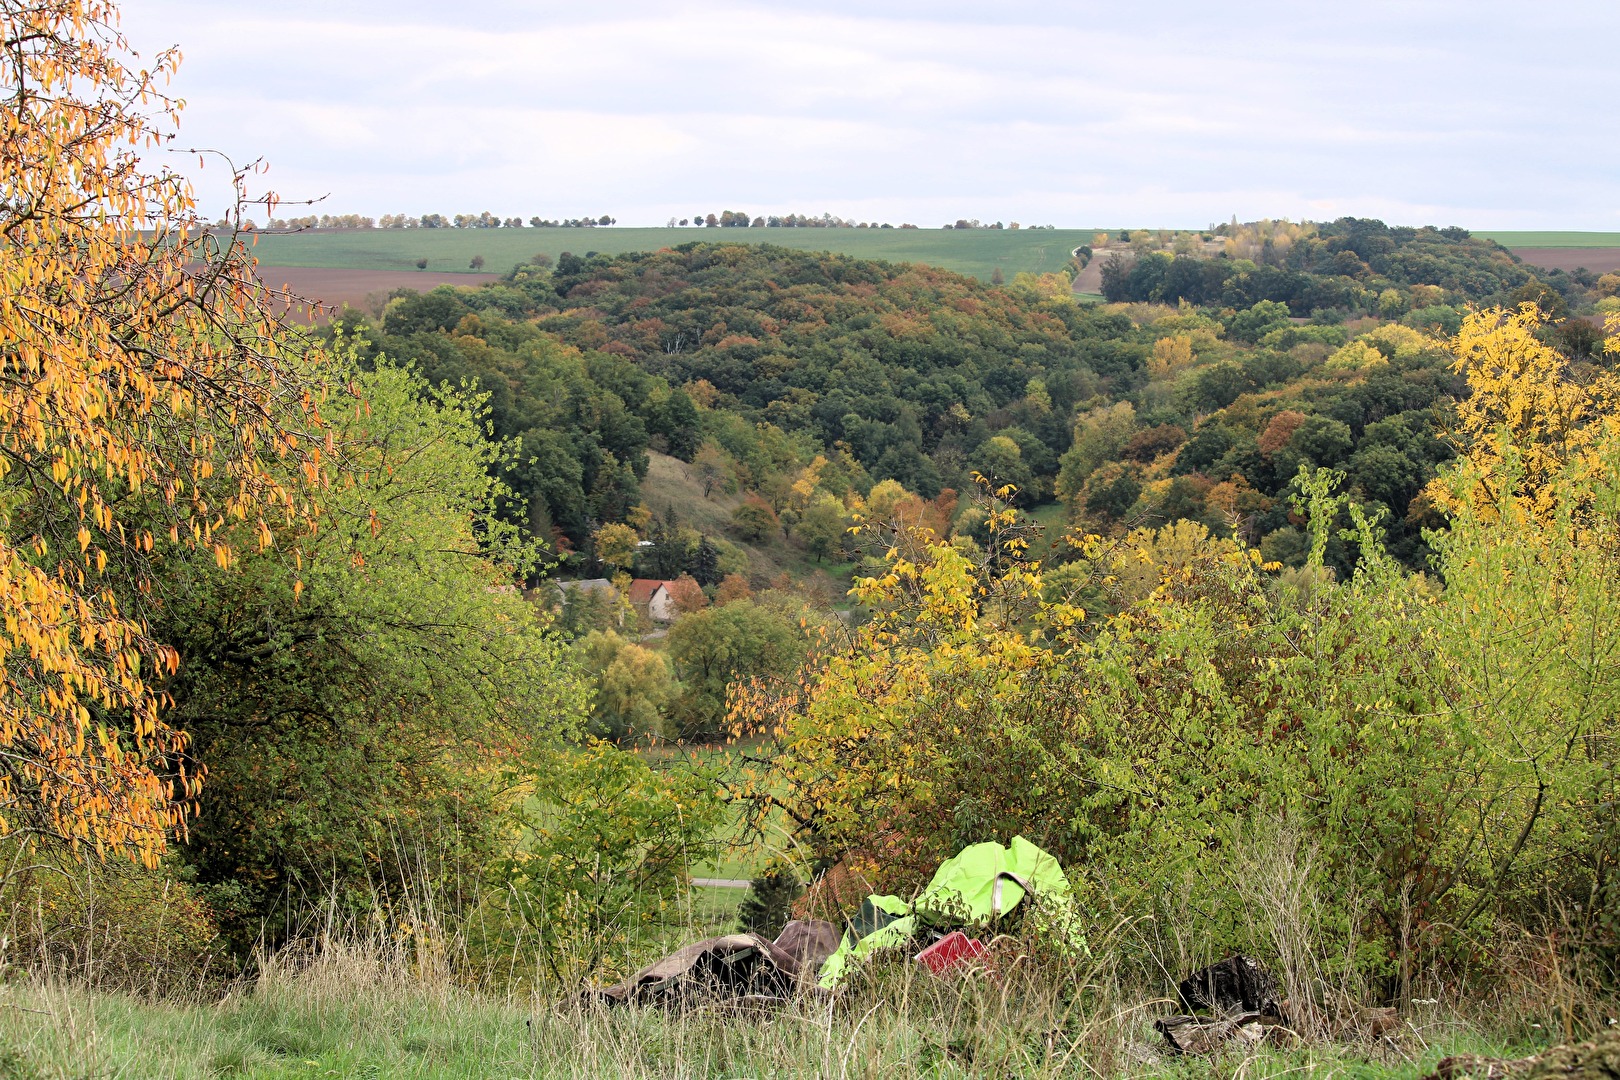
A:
769	903
114	926
609	846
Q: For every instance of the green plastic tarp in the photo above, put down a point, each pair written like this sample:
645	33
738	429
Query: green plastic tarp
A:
986	881
971	890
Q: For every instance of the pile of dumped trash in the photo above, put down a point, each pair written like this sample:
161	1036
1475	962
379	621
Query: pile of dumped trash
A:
1234	1002
969	894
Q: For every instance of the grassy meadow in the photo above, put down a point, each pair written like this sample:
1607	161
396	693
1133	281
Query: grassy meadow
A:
369	1007
1511	239
328	1025
977	252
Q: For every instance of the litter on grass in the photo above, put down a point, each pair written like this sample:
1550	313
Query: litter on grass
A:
977	892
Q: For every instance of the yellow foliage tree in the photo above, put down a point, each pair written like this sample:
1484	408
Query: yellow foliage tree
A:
142	369
616	545
1170	355
1527	403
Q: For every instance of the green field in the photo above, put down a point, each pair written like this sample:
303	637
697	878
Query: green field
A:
1554	239
977	252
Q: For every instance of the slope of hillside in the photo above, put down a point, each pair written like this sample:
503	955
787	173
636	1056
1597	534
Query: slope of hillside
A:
805	383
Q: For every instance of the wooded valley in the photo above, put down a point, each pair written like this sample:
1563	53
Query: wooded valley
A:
374	687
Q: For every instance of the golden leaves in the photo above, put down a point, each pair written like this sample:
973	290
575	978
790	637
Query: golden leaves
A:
139	354
1527	417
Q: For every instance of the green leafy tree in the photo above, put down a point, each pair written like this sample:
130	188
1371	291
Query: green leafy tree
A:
681	425
1000	460
634	688
1255	322
379	691
713	648
585	610
821	527
1319	440
1100	435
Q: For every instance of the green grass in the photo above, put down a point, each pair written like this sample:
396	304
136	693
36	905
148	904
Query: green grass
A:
1553	239
320	1026
976	252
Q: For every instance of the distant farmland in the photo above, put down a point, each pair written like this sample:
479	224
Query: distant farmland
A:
1517	240
977	252
333	288
1598	252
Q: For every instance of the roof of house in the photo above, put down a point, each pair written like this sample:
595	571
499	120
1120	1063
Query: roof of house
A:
642	590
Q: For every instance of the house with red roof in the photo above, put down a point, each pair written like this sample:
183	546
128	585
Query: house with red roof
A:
655	598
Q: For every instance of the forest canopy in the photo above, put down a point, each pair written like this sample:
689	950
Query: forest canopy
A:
754	362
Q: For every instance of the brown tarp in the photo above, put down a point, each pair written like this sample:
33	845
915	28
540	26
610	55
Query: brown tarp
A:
732	966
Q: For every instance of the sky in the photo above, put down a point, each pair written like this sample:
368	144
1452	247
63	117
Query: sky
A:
1162	113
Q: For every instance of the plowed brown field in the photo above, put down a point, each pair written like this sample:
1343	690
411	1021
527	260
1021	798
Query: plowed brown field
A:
1597	260
333	288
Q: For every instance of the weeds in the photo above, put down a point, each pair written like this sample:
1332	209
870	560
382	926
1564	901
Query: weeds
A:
397	993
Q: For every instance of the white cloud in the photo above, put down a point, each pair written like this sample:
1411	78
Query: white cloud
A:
1088	113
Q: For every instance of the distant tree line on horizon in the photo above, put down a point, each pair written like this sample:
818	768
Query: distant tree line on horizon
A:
728	219
484	220
737	219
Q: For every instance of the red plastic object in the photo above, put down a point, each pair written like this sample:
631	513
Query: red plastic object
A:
952	950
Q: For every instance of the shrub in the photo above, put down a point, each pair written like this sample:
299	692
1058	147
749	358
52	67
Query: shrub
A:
609	845
769	903
114	926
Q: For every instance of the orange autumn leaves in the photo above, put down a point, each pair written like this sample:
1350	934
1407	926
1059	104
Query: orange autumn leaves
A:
144	389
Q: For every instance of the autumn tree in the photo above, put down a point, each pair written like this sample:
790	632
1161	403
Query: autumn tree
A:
687	594
149	398
733	587
755	520
633	685
1528	420
616	545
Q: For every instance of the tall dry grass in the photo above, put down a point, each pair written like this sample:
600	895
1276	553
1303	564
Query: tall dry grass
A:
414	987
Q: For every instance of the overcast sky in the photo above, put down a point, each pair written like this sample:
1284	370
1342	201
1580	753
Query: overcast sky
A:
1484	113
